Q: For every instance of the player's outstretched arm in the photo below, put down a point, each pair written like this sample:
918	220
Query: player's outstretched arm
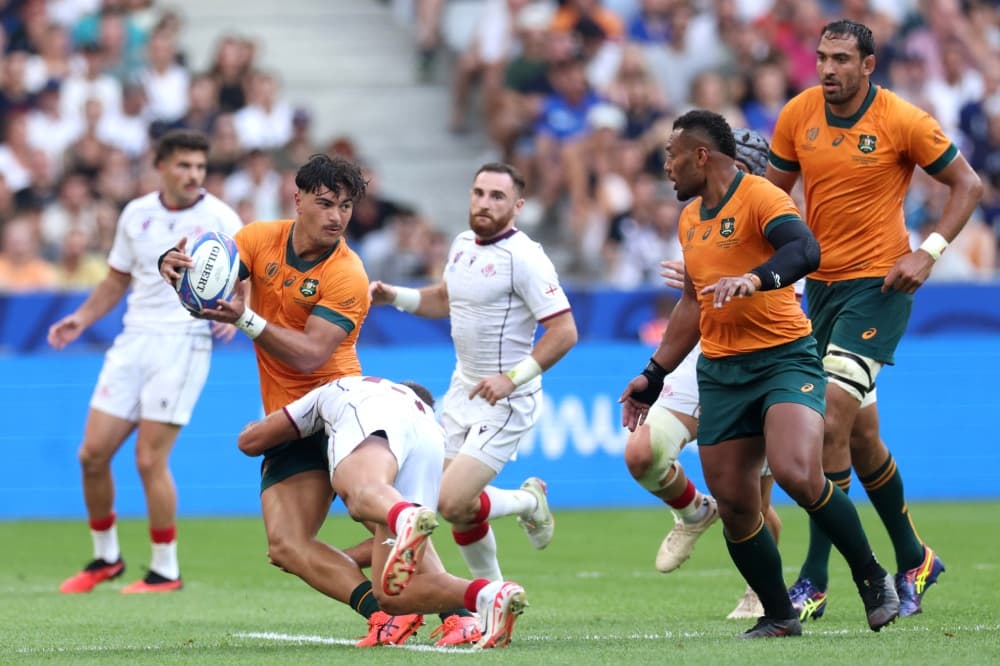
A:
259	436
105	296
430	302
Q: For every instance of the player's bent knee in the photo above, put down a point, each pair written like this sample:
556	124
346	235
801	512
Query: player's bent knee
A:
667	436
92	460
456	510
852	372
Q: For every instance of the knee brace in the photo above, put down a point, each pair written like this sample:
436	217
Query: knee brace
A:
852	372
667	436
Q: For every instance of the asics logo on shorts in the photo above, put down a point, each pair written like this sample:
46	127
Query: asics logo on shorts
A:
869	334
806	388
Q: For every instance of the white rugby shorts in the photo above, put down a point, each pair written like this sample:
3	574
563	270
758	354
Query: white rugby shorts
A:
488	434
153	377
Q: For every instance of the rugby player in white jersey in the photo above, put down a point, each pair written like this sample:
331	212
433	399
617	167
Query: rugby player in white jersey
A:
498	286
386	453
154	372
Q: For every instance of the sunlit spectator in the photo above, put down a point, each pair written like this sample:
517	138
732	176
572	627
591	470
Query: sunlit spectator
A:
16	153
203	105
266	120
75	208
230	68
94	83
22	267
256	181
55	60
78	267
49	129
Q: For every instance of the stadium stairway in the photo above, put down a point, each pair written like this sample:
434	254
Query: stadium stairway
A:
352	64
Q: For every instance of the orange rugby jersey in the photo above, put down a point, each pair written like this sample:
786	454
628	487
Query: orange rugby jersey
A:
727	241
856	172
286	290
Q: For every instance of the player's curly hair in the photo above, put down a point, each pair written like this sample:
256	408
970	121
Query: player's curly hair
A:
337	174
179	139
713	126
751	149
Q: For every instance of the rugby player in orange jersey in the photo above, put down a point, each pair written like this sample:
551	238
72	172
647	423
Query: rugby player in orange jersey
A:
856	146
760	380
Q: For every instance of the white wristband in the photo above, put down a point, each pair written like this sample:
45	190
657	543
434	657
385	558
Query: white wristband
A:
250	323
524	371
407	299
934	245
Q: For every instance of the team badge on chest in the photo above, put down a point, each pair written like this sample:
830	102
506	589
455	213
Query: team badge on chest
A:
866	143
728	227
309	287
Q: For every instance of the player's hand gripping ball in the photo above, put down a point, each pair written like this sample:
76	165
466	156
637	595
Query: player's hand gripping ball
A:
214	274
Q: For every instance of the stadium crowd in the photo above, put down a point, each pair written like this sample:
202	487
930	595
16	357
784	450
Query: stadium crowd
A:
579	94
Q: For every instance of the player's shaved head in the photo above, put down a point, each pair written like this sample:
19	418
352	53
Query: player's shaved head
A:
709	129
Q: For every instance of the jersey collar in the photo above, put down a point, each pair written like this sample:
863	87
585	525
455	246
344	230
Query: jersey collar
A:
163	203
848	122
297	262
709	213
507	234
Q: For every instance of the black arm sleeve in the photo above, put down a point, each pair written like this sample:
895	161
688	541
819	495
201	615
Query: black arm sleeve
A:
796	255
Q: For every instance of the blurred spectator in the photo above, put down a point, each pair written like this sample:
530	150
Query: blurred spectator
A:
244	208
908	79
128	132
203	105
959	84
14	95
116	181
525	80
123	42
78	267
266	120
43	189
300	146
428	36
639	241
258	182
711	91
166	82
93	83
792	27
373	212
398	251
16	153
652	23
30	28
87	153
54	61
73	210
694	47
49	130
768	94
572	11
234	59
68	13
8	205
21	266
492	44
563	119
107	223
226	150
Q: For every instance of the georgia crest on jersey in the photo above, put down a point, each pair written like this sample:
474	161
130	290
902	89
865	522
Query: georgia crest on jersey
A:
145	229
498	291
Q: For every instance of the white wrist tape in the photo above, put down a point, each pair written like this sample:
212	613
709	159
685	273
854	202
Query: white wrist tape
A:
524	371
934	245
250	323
407	299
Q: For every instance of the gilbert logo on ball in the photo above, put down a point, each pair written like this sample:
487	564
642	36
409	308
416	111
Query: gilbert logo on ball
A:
214	274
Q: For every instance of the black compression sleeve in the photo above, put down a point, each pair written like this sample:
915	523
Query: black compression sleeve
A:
796	255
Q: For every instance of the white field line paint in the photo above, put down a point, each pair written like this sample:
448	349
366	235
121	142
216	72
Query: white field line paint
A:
324	640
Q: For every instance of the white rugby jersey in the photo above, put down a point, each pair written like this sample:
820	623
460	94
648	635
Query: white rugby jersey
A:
325	406
498	291
145	230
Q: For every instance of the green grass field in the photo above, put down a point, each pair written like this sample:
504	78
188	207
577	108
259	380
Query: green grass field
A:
595	599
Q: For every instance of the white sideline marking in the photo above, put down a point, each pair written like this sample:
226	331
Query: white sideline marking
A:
324	640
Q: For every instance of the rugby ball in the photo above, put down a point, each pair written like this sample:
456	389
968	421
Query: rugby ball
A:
214	274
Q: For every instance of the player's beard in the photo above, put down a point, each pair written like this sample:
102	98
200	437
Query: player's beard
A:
848	89
490	226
